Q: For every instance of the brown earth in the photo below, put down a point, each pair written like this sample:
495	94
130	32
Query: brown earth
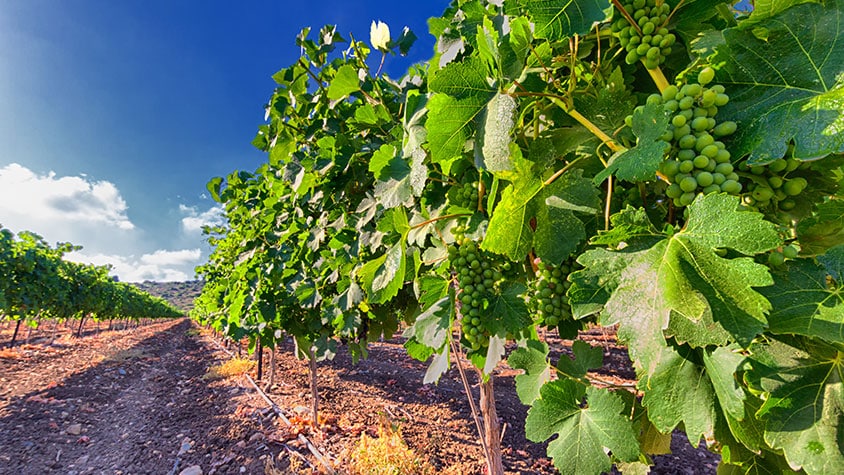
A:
136	402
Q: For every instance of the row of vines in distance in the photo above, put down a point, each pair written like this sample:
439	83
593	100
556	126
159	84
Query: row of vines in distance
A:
38	284
672	169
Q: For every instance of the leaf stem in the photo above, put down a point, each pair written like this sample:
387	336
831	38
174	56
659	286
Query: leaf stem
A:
439	218
658	77
608	204
559	172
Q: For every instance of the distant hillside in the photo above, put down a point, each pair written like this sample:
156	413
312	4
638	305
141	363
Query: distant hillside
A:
179	294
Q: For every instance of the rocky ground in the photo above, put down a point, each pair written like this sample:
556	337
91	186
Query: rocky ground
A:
138	401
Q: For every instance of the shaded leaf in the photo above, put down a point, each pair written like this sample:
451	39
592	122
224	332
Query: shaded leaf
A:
785	83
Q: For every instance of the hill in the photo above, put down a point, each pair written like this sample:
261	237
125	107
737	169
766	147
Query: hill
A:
179	294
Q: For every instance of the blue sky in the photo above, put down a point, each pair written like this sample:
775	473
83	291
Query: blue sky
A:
114	114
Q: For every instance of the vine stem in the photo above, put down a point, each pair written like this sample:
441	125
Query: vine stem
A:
659	78
559	172
472	407
574	114
439	218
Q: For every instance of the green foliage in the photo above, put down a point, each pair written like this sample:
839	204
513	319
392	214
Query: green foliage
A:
583	432
512	144
798	97
39	283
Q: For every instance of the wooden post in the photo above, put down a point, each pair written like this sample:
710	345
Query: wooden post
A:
15	334
260	357
312	366
492	429
81	322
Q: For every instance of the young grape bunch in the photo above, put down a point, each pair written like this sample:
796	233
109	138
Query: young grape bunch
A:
465	195
777	258
698	161
641	30
479	275
774	186
547	295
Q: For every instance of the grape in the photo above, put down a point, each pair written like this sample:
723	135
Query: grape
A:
705	76
646	39
790	251
776	182
465	195
697	162
776	259
479	276
546	295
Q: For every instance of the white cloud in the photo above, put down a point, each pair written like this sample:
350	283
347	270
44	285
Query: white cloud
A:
194	220
163	258
160	266
36	202
90	213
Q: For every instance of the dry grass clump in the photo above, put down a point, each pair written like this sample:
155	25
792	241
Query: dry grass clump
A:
128	354
386	454
232	367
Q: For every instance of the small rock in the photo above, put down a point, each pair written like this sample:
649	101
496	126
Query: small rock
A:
64	414
242	469
256	437
74	429
186	445
240	445
192	470
83	460
121	371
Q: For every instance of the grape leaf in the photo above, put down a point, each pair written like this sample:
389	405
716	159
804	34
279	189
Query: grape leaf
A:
785	82
611	103
344	83
383	276
493	152
586	357
558	230
560	19
679	390
462	93
629	224
803	302
507	311
764	9
822	230
583	432
593	285
439	365
432	326
804	408
683	276
721	365
641	162
533	359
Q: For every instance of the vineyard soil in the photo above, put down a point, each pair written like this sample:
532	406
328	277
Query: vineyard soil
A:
135	402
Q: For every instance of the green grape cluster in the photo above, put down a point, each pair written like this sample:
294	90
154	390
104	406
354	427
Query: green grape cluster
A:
479	274
770	186
465	195
698	161
647	38
777	257
547	295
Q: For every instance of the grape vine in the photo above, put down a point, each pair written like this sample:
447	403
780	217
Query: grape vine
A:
672	171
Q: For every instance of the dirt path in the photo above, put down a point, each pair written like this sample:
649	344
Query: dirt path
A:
117	403
136	402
